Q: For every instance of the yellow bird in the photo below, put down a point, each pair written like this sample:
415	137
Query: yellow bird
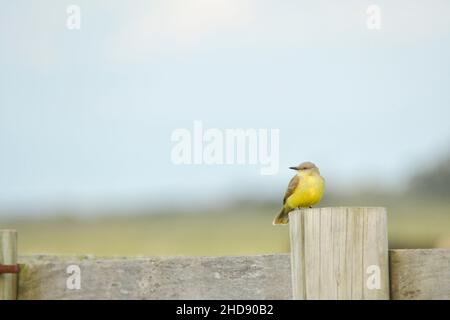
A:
305	189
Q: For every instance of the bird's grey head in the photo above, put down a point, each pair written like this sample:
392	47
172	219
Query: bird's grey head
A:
305	166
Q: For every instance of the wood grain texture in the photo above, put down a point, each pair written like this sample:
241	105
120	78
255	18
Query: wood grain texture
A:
243	277
415	274
333	249
8	256
420	274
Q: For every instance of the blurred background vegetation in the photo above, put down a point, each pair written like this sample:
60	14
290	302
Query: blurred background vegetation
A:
418	217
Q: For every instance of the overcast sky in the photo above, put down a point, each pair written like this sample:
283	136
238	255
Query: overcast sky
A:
86	116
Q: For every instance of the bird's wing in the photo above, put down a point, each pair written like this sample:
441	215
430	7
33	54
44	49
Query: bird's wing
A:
291	187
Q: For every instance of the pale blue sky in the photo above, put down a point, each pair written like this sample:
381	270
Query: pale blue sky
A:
86	116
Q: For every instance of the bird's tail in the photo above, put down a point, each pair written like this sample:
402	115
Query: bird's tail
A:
282	217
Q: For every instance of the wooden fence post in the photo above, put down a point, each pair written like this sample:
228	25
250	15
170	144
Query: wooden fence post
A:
339	253
8	265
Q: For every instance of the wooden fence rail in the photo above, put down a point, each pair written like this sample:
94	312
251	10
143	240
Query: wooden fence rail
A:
337	253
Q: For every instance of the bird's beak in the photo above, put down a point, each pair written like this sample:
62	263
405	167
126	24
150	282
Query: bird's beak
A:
293	168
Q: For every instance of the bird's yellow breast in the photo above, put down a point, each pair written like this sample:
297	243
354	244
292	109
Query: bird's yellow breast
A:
308	192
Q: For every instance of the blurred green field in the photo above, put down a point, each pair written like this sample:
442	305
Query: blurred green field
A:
233	231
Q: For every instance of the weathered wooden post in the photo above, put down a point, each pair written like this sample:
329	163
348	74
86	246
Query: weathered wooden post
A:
8	265
339	253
